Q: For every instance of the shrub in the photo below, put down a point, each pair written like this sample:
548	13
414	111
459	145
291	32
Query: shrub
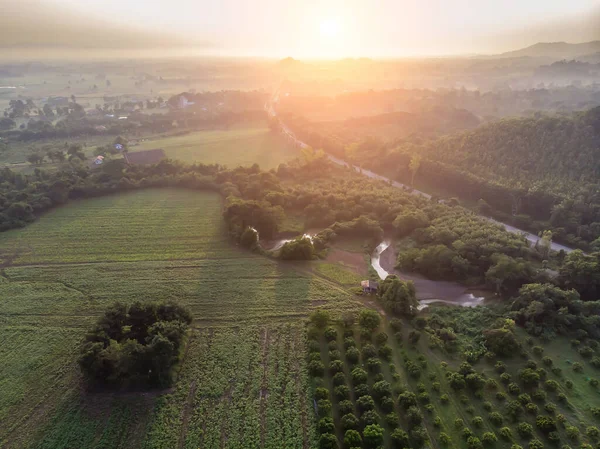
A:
505	378
414	336
586	352
470	409
554	437
444	399
531	408
349	342
399	439
387	404
477	421
328	441
365	403
545	423
525	430
491	384
345	407
361	390
505	433
489	438
572	433
373	365
407	399
324	407
330	333
369	319
325	425
459	423
594	382
336	366
424	398
496	419
369	417
557	371
595	362
381	389
359	376
592	432
396	324
352	355
352	439
339	379
577	367
457	381
524	398
474	443
487	405
437	422
501	396
550	407
445	439
385	352
529	377
500	367
335	355
419	435
562	398
381	338
551	385
535	444
514	389
321	393
391	420
373	435
316	368
569	384
369	351
341	392
547	361
414	416
539	395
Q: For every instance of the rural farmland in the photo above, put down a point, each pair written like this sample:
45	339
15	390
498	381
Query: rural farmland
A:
148	244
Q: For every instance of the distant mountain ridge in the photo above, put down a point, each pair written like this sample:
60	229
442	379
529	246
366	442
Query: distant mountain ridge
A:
555	50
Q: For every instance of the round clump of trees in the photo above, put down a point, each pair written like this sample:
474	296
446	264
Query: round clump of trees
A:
135	345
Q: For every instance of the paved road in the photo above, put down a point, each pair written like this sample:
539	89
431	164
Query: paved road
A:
530	237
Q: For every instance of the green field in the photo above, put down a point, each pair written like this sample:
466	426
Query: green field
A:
243	144
242	382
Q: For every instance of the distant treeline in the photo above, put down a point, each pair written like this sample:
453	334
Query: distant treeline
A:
538	173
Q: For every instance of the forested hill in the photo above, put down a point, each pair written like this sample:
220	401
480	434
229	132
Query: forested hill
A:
555	150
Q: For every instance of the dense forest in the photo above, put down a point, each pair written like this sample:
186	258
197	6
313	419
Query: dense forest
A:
538	173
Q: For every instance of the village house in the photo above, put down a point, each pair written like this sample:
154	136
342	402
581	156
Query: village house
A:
369	286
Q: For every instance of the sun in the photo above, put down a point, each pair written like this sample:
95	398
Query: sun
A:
330	27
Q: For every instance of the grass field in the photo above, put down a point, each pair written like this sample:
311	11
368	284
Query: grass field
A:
242	382
243	144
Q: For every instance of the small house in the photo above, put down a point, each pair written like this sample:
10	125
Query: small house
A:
369	286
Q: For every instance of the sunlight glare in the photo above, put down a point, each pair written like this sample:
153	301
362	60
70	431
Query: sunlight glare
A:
330	27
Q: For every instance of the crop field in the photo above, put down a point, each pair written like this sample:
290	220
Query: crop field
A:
243	144
386	387
246	353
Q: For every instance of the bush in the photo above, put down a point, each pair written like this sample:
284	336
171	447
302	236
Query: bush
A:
477	421
365	403
505	433
339	379
369	417
569	384
330	334
444	399
539	395
385	352
321	393
577	367
414	416
489	438
336	366
324	407
400	439
373	436
459	423
445	439
369	320
545	423
373	365
496	419
586	352
359	376
550	407
525	430
361	390
535	444
135	345
335	355
381	338
531	408
391	420
328	441
341	392
537	350
487	406
524	398
352	355
572	433
501	396
551	385
414	337
325	425
345	407
474	443
547	361
381	389
514	389
352	439
592	432
505	378
594	382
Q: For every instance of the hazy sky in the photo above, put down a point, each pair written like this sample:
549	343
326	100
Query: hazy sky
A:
305	28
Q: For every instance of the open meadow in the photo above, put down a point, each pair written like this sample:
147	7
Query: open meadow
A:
243	144
242	382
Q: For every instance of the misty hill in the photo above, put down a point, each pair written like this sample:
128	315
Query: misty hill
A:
36	24
555	50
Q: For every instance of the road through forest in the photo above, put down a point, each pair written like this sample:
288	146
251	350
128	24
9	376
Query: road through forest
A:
529	236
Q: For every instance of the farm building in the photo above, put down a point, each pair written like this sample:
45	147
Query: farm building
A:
369	286
145	157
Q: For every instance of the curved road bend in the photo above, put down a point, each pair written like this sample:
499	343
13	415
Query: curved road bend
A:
529	236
